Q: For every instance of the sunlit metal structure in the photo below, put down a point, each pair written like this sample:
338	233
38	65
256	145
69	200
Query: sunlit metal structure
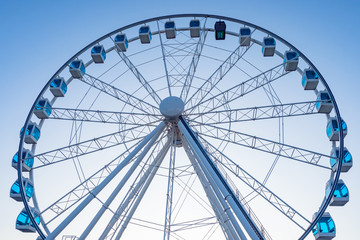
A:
185	109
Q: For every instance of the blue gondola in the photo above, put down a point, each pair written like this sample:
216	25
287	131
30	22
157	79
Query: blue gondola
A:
324	104
341	193
291	60
58	87
325	228
347	161
220	30
98	54
268	46
15	190
121	41
309	79
332	129
77	69
195	28
145	34
245	36
43	108
32	133
23	222
27	163
170	30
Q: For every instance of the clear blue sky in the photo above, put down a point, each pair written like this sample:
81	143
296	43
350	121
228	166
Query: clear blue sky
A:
37	37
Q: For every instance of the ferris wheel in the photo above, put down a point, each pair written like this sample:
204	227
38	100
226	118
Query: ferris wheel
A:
187	126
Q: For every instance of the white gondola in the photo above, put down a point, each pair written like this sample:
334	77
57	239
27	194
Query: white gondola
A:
145	34
23	222
98	54
325	228
220	30
58	87
77	69
291	60
245	36
341	193
324	104
32	133
43	108
195	28
347	161
121	41
15	190
268	46
309	79
170	30
27	162
332	129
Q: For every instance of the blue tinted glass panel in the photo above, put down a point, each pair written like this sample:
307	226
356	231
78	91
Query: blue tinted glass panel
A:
75	64
245	32
311	74
144	29
170	25
347	157
120	38
29	190
103	54
96	49
48	108
15	158
82	69
291	55
15	188
55	83
335	125
64	87
269	41
303	81
23	219
333	160
328	130
36	133
194	23
325	97
344	126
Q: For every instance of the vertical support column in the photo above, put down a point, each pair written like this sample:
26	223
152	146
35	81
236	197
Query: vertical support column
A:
219	181
169	194
221	212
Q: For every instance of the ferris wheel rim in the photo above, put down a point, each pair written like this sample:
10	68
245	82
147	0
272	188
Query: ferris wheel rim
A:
337	111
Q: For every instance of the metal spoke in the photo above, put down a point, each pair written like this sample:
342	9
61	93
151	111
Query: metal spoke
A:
91	146
239	90
127	118
256	113
217	76
138	75
256	186
126	98
264	145
195	60
169	194
164	59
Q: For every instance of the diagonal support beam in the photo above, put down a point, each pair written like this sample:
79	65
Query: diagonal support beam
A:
239	90
195	60
257	186
119	94
104	183
265	145
220	182
138	75
217	76
99	116
256	113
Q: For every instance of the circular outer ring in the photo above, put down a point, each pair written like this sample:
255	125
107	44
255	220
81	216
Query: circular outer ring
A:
337	112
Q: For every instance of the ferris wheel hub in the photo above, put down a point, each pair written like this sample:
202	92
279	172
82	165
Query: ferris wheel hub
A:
172	107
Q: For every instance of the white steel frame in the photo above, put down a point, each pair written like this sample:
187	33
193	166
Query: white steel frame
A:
148	137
